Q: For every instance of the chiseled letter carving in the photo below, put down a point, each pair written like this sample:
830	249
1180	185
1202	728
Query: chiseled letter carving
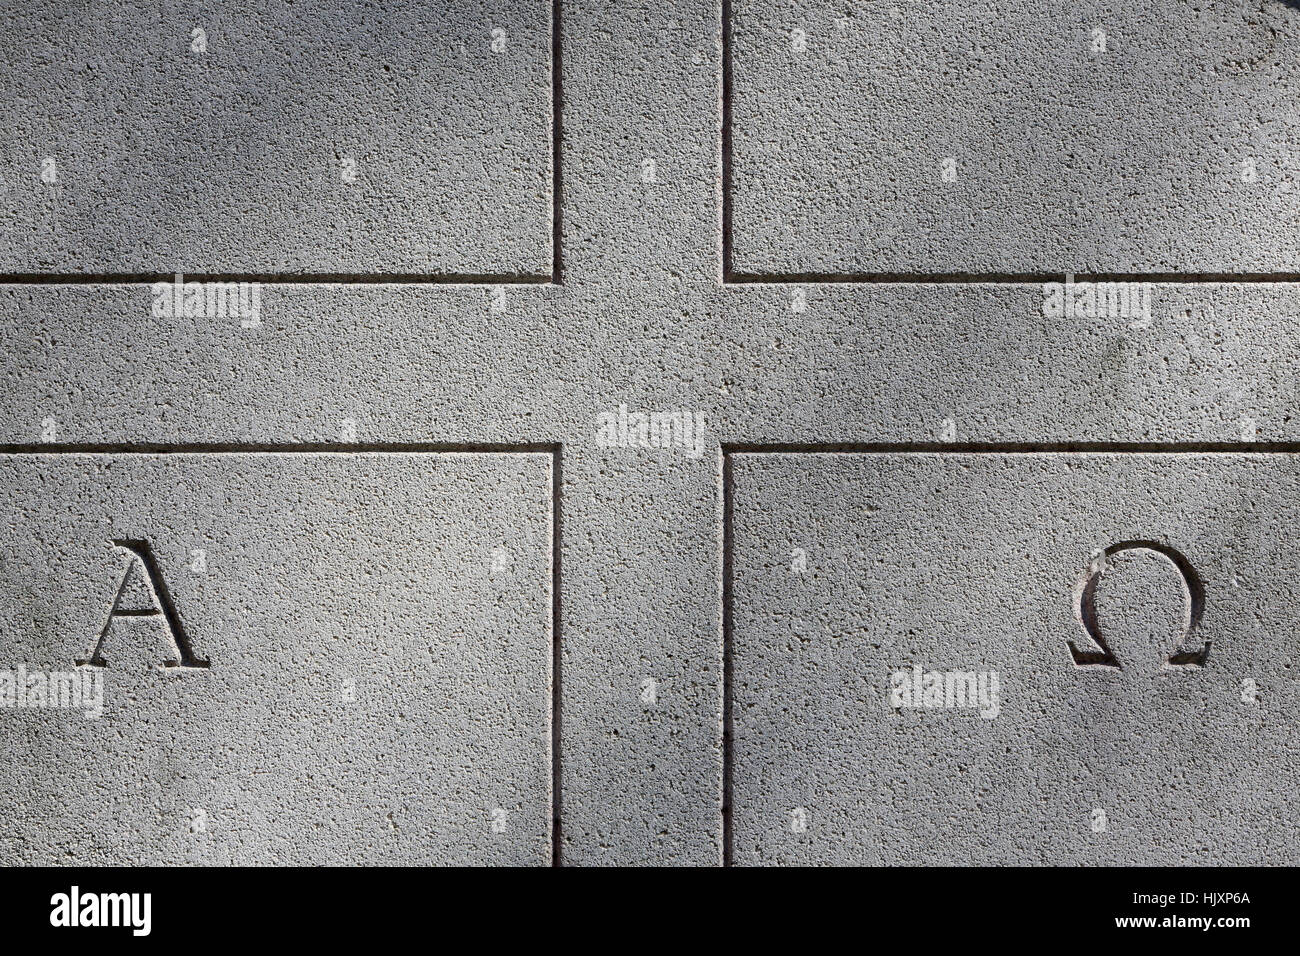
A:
143	570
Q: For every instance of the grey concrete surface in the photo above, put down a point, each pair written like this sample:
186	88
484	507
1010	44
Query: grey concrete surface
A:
640	318
968	563
231	158
1084	137
378	689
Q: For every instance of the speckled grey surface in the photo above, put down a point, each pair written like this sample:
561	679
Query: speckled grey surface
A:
641	319
968	563
378	690
231	160
1084	137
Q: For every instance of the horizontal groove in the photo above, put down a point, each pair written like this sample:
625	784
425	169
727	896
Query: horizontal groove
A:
1005	278
294	278
1012	448
245	448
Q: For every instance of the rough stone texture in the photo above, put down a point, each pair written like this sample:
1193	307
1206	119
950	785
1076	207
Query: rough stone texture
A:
377	689
1118	151
640	318
968	563
231	160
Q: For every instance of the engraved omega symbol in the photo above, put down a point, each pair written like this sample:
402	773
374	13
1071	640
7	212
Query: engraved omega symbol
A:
144	593
1085	608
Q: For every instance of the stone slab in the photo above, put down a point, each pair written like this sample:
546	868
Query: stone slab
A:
850	571
377	632
1082	137
322	137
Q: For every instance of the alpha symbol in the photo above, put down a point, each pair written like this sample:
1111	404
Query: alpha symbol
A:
143	593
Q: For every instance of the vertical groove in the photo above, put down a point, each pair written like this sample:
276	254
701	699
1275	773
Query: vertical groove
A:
557	132
727	265
557	697
728	732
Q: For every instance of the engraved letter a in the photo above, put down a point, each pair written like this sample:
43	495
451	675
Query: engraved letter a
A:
127	603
